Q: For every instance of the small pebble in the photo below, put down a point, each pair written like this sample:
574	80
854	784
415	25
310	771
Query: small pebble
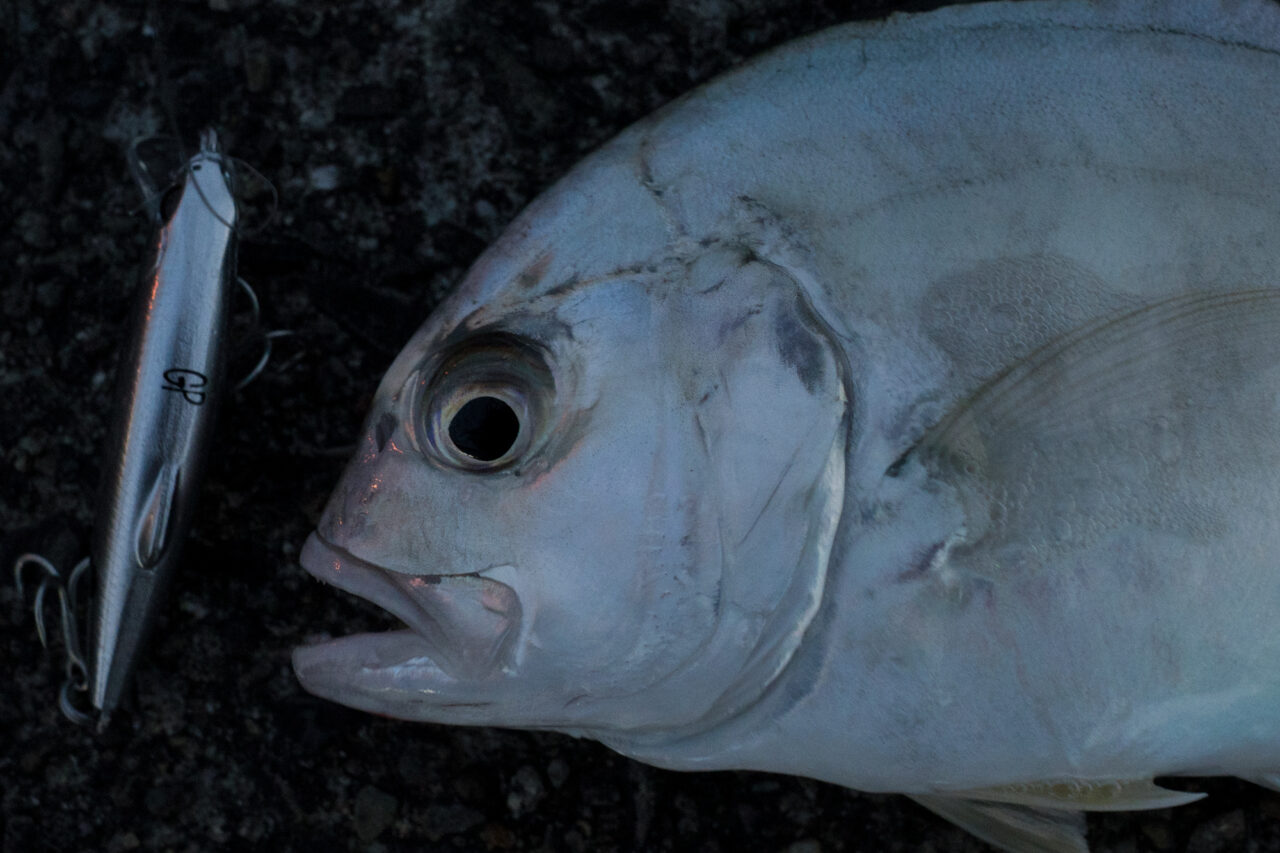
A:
1158	834
1220	833
446	820
374	812
558	772
124	841
323	178
498	837
49	294
257	70
808	845
526	791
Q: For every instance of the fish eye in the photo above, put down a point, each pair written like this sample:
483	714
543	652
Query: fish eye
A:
484	428
485	406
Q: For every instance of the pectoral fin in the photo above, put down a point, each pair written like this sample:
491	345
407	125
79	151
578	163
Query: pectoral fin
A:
1141	421
1015	828
1188	352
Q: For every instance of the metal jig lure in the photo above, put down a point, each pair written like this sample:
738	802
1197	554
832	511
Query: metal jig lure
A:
169	384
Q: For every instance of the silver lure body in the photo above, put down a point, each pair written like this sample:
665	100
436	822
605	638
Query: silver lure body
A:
901	410
169	383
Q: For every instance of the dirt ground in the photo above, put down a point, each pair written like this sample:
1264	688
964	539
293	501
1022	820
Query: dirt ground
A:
401	136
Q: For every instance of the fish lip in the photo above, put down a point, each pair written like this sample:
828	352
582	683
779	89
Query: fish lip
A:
441	609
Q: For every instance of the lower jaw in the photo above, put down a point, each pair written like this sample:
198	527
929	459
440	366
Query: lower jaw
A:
463	627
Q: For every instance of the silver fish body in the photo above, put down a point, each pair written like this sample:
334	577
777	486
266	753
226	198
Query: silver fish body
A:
169	381
901	410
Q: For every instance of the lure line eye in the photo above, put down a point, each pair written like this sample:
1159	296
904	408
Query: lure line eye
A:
485	428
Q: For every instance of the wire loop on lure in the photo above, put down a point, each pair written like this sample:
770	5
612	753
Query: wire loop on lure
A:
77	670
267	337
154	188
243	167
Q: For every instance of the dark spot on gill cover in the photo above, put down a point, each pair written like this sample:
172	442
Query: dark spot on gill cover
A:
532	274
896	468
800	349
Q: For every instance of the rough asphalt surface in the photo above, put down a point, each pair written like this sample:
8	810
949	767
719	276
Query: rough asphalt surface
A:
401	136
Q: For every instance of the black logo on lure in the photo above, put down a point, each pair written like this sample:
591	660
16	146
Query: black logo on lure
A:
188	383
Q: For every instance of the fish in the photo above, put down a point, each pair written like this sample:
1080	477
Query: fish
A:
168	388
899	410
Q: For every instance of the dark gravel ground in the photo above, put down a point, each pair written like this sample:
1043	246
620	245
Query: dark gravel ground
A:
401	136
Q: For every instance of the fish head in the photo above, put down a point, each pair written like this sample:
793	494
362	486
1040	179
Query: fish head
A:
602	507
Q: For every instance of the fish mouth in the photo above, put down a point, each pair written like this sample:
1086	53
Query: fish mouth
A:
462	627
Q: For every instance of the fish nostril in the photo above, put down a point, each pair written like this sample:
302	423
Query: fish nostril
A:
383	430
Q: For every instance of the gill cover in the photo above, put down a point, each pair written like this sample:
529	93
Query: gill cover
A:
763	387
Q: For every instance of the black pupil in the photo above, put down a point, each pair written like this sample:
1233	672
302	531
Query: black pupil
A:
484	428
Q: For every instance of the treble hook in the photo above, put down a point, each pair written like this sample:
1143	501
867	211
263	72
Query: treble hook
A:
77	671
